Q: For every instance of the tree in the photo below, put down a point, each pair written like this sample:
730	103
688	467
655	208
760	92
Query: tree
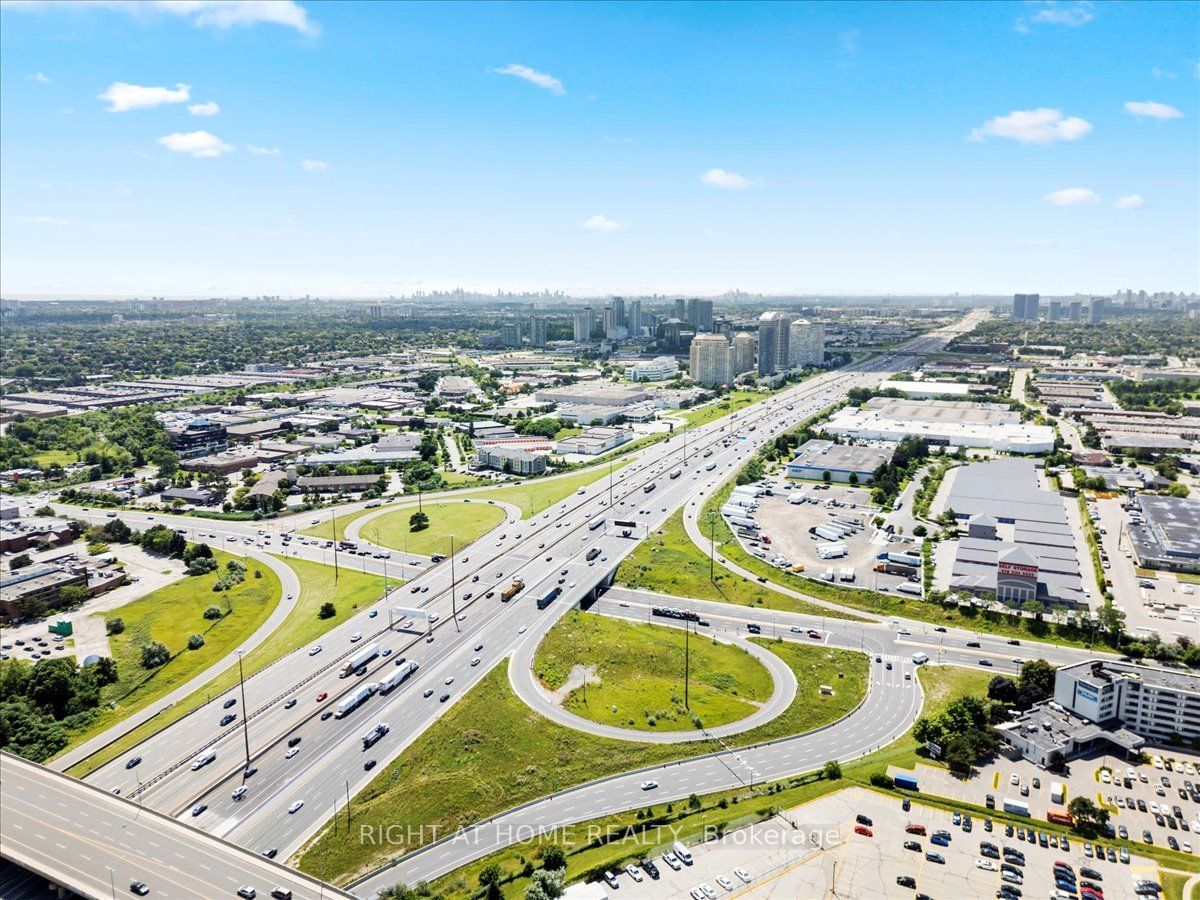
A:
327	611
826	476
1056	762
71	595
553	857
546	886
1002	690
1038	675
489	879
418	521
853	478
115	625
213	612
195	641
1088	816
832	770
20	561
154	654
1112	620
104	671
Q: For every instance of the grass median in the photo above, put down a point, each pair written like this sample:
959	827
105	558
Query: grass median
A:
490	752
465	520
632	675
669	563
300	627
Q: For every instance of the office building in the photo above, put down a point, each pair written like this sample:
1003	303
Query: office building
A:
585	322
1026	307
773	333
673	335
199	437
1096	311
681	309
1074	310
1054	311
509	459
537	331
806	343
618	308
510	334
948	423
700	314
661	368
594	441
709	360
742	355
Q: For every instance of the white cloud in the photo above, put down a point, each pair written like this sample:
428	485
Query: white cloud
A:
533	76
608	139
45	220
262	151
219	14
204	109
723	178
1052	12
1033	126
600	222
314	165
1158	72
1132	201
40	78
1073	197
1151	110
196	143
123	97
848	41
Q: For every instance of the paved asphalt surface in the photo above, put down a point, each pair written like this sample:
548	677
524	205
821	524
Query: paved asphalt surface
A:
102	844
329	762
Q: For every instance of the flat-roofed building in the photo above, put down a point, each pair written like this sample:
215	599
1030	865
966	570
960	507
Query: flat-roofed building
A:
1169	534
509	459
1157	704
594	441
816	457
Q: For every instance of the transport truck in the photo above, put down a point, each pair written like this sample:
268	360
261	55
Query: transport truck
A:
597	522
354	701
359	659
675	474
834	550
828	532
742	522
648	488
592	554
512	590
846	574
909	587
398	676
895	568
907	559
1017	807
728	511
371	737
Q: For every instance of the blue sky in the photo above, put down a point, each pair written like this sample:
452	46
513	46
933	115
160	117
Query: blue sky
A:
365	149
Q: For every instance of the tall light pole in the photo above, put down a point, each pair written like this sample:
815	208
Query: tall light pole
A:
335	547
610	483
453	603
687	661
245	715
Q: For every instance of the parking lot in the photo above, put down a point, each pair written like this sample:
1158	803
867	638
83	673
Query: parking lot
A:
815	851
788	523
1137	799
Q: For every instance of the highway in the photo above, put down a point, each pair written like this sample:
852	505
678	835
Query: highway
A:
100	845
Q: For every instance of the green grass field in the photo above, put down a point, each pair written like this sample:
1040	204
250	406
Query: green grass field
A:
326	530
301	627
1172	884
490	751
533	497
466	521
48	458
641	667
734	401
169	615
670	563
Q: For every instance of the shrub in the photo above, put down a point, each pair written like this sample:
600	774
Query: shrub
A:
154	655
882	780
195	641
327	611
213	612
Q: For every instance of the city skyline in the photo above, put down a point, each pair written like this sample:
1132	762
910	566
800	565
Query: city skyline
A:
359	151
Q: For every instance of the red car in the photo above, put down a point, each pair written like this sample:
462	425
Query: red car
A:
321	696
416	587
864	831
915	829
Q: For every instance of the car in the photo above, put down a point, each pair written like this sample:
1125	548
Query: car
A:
199	808
226	719
292	752
521	630
708	890
649	784
634	872
906	881
247	892
986	864
725	882
443	698
1146	837
935	858
140	888
416	589
134	761
290	703
1014	779
672	860
1037	783
476	661
984	661
232	701
650	868
611	879
314	649
863	830
428	693
324	695
356	637
295	807
742	874
912	845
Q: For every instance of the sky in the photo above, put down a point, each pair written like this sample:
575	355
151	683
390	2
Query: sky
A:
227	148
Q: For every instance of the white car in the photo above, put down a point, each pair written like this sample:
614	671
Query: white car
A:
725	882
1013	779
291	752
742	874
238	793
672	860
633	872
709	891
356	637
649	785
521	630
314	649
986	864
295	807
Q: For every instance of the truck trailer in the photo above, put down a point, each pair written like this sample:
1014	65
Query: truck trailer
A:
1017	807
354	701
398	676
359	659
549	597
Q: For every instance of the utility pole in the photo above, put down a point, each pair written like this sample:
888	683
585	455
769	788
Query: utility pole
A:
348	813
245	714
687	661
610	483
335	546
453	602
712	547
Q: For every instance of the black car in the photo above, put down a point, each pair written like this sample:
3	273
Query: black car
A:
232	701
906	805
250	773
133	762
650	867
906	881
290	703
325	715
863	820
912	845
1014	642
368	765
443	698
272	853
972	643
293	741
401	660
227	718
940	628
140	888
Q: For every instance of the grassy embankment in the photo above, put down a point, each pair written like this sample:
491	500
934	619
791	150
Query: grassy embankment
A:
640	668
490	752
298	629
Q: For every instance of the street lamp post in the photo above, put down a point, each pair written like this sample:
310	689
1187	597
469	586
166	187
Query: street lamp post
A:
245	718
687	661
453	601
335	548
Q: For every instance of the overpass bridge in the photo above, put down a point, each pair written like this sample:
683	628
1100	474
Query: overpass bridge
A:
84	840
